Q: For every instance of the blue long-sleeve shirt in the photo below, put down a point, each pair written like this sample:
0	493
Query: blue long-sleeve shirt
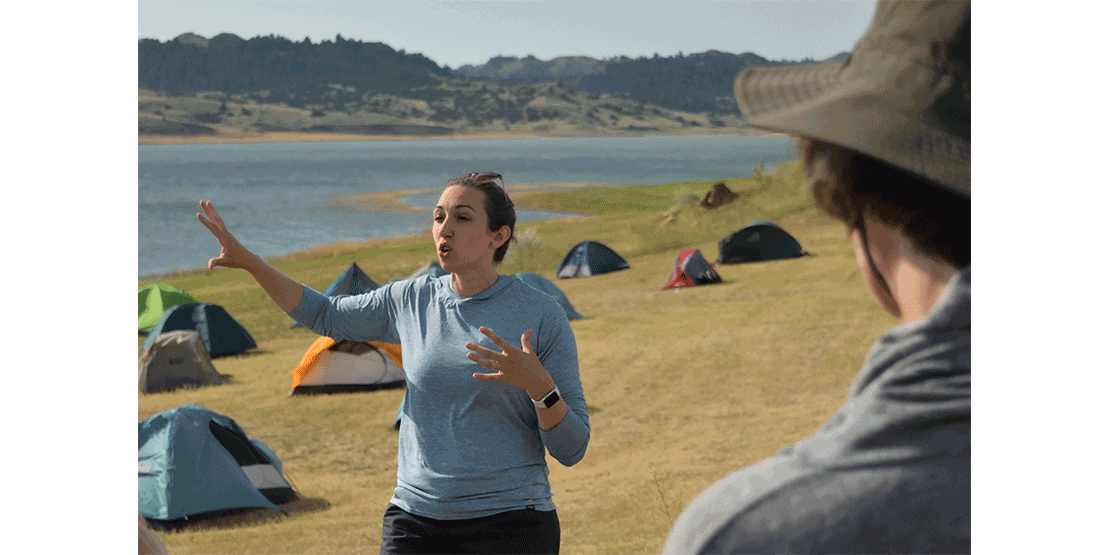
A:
466	448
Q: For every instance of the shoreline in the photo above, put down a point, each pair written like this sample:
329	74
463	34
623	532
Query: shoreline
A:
390	201
310	137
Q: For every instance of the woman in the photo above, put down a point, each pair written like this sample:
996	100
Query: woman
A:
491	373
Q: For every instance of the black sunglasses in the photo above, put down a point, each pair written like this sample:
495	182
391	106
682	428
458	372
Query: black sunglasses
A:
476	178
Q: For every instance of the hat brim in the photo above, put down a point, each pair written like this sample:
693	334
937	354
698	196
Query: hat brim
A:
836	104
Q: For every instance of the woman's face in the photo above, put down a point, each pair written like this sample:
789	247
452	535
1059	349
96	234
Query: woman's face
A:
460	228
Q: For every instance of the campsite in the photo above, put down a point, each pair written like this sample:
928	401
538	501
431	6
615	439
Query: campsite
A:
683	385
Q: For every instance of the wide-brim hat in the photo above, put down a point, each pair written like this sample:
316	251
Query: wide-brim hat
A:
902	96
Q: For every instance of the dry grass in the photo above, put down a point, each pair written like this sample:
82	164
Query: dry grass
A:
683	386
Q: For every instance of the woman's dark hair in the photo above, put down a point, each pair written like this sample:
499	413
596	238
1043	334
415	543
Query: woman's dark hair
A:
849	186
498	207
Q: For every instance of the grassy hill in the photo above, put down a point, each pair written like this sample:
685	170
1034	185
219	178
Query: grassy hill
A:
683	386
456	107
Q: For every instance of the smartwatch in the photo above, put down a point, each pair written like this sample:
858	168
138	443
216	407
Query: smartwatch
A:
547	401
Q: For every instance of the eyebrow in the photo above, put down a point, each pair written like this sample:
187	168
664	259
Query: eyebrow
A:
458	206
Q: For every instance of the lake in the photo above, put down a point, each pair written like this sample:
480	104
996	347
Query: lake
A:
277	197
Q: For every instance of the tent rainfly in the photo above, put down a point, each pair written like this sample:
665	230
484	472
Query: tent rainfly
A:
589	258
175	359
353	281
539	282
331	366
758	241
154	299
194	461
220	334
692	269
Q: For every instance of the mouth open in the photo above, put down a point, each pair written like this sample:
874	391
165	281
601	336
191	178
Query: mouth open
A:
444	250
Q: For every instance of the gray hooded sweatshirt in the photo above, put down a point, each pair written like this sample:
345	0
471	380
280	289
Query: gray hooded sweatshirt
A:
889	472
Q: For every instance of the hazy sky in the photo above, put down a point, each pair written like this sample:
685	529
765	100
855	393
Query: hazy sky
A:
470	32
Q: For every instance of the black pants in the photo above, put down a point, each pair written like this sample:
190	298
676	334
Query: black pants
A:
522	532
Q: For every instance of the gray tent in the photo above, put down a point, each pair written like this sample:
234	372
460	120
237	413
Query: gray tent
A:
176	358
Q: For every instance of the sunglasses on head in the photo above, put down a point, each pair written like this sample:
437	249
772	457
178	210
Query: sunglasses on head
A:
476	178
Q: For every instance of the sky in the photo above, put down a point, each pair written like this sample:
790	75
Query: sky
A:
456	33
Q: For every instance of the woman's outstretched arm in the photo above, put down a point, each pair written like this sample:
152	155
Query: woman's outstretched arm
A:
285	291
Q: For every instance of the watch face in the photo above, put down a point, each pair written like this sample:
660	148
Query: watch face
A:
550	399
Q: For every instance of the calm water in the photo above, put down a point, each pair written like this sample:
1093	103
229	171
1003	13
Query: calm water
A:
277	197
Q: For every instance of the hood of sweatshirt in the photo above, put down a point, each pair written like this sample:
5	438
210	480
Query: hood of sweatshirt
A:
911	399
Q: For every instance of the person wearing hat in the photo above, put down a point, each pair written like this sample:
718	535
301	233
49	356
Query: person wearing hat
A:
885	142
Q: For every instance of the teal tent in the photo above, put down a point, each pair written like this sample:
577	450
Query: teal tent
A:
194	461
757	241
546	286
589	258
154	299
220	334
353	281
432	269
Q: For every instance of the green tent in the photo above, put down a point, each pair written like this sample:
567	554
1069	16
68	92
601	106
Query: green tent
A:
154	299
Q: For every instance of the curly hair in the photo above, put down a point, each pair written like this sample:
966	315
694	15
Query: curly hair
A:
849	186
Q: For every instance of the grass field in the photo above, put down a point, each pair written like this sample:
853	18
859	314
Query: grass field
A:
683	386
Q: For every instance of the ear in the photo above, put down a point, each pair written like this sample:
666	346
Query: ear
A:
501	236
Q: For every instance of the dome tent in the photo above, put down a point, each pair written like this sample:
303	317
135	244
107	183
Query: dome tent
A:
220	334
589	258
154	299
192	461
692	269
331	366
539	282
175	359
757	241
353	281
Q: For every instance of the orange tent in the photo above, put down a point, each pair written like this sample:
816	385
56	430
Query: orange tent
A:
330	366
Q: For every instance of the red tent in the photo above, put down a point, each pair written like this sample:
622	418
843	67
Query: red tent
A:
692	269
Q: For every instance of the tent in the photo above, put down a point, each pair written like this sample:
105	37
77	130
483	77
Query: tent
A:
718	195
589	258
758	241
219	332
353	281
432	268
154	299
176	358
192	461
546	286
331	366
692	269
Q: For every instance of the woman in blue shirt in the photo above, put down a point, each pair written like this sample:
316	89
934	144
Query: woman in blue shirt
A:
491	373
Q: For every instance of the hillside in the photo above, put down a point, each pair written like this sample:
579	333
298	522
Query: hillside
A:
701	82
227	86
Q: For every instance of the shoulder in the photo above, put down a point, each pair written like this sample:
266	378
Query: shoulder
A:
532	299
766	508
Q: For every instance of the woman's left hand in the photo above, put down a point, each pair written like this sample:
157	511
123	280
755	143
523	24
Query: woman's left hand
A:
518	367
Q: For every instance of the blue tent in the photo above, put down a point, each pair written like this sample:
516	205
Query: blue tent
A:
192	461
432	269
546	286
354	281
758	241
589	258
220	334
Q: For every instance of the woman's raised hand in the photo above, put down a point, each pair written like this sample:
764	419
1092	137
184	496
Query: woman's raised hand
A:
512	365
234	254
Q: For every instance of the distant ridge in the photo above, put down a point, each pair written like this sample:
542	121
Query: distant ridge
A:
196	86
